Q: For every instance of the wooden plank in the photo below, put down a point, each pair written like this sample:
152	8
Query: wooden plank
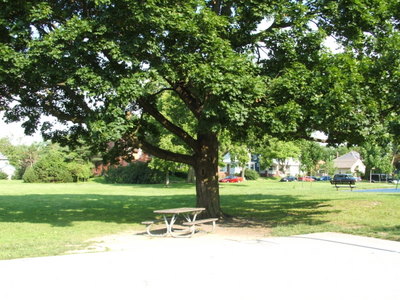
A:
202	221
147	222
179	210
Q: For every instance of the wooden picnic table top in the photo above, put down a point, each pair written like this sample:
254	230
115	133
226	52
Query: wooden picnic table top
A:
180	210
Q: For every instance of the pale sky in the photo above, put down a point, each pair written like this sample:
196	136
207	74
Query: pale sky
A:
15	133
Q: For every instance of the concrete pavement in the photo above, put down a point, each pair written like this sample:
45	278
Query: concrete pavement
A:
315	266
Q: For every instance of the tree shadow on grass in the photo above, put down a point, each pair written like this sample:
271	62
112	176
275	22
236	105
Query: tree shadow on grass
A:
176	185
64	209
260	210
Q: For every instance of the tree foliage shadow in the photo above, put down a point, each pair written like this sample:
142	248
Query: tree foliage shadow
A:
64	209
260	210
253	210
175	185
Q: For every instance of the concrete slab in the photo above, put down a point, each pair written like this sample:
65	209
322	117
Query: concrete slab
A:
315	266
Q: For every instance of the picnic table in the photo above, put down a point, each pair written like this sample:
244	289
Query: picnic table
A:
171	215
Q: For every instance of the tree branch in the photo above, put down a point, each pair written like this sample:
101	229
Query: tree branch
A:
179	132
191	102
78	115
194	105
165	154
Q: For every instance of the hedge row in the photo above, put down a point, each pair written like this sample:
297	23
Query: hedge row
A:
137	173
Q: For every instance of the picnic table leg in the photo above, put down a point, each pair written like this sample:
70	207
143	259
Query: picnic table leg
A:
187	217
169	224
214	225
192	228
148	229
149	224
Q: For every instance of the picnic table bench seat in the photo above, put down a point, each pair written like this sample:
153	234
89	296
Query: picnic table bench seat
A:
148	222
201	221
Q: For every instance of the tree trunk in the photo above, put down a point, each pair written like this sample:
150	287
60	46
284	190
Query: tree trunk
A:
206	171
191	175
167	178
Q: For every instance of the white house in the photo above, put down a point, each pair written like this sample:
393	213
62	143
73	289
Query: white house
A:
288	167
232	167
350	163
5	166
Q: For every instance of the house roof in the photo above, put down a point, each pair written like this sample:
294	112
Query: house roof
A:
347	160
352	155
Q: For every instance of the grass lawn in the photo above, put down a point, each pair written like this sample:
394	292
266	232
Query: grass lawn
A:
51	219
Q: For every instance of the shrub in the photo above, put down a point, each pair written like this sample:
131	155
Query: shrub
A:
3	175
80	171
180	174
138	172
50	168
251	174
30	176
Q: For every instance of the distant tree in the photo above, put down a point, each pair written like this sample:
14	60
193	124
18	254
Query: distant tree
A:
53	163
281	151
328	167
49	168
3	175
7	149
79	161
378	159
21	156
80	171
311	156
238	151
29	156
240	155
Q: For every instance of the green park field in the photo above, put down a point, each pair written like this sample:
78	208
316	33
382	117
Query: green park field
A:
52	219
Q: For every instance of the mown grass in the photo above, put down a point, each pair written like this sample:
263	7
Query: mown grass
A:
304	207
51	219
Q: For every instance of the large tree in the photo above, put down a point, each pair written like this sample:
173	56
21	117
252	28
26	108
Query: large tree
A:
102	67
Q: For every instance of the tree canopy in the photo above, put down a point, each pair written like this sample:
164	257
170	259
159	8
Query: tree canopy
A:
103	68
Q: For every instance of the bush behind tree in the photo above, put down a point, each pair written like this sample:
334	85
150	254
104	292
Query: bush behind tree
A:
3	175
135	173
80	171
30	176
49	168
181	174
251	174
